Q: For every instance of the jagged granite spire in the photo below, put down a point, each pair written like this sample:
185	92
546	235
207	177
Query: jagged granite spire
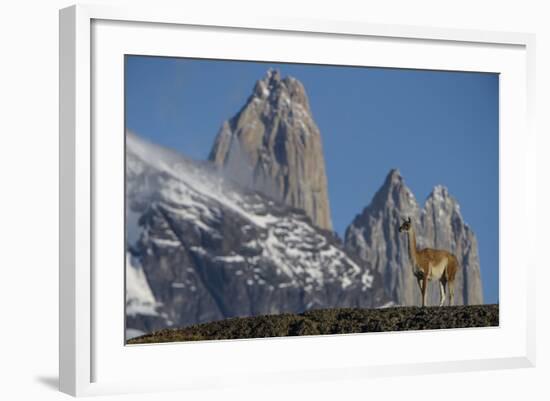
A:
444	228
374	236
273	145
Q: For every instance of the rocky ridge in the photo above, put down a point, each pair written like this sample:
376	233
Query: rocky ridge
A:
332	321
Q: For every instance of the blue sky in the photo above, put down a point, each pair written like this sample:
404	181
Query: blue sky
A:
436	127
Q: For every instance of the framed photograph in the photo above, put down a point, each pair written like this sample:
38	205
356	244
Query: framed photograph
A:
277	200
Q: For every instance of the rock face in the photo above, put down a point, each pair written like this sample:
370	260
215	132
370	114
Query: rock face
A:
374	236
273	145
443	228
204	249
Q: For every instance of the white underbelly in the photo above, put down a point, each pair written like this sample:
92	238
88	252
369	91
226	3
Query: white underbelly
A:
436	271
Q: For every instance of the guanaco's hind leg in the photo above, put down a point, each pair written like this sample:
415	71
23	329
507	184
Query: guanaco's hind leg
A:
452	269
441	292
450	286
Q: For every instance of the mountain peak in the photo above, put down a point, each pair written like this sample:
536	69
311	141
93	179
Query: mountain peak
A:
272	75
393	195
394	187
282	93
394	177
267	85
441	198
440	192
276	141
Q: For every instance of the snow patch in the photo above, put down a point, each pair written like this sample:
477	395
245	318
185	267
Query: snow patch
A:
230	259
139	297
133	333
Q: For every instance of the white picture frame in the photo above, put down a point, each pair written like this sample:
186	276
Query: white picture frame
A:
93	361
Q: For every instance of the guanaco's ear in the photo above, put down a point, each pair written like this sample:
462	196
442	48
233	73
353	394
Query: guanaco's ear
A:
409	221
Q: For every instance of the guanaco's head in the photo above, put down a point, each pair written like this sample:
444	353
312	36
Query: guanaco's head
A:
406	226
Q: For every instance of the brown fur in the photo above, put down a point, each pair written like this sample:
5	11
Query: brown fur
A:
452	268
427	258
428	255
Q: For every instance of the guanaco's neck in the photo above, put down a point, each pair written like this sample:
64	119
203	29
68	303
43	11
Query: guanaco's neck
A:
412	245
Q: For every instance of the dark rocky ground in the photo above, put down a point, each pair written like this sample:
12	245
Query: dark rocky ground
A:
332	321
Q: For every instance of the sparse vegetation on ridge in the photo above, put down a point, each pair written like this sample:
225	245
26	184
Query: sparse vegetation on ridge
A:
332	321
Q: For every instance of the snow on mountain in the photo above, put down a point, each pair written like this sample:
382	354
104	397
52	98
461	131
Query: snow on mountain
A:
139	297
211	250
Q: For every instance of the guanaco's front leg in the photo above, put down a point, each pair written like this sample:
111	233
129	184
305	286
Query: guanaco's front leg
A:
424	287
